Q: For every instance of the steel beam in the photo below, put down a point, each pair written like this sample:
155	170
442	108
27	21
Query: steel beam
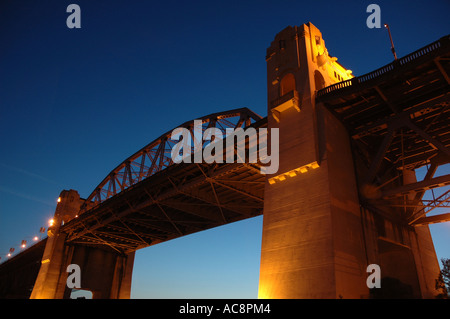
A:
417	187
442	218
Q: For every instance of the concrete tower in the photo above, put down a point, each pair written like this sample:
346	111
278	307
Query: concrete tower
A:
312	241
106	274
317	240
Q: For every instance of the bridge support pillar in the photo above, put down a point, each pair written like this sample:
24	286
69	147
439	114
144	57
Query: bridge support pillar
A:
106	273
312	245
317	239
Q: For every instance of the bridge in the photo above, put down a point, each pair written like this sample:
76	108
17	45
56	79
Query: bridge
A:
398	119
345	195
148	199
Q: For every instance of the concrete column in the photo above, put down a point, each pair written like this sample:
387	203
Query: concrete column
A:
47	282
121	285
54	258
104	272
312	245
422	247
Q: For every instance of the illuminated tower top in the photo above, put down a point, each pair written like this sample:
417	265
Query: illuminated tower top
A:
298	65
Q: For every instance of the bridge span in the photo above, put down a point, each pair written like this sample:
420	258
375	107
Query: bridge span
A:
345	195
141	204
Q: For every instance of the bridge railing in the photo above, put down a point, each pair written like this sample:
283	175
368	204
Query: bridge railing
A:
387	68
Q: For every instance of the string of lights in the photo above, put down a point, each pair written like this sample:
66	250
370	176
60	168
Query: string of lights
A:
26	243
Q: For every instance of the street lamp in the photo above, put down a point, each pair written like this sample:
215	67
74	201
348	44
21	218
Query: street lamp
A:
392	42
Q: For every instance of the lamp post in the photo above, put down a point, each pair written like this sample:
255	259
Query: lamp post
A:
392	42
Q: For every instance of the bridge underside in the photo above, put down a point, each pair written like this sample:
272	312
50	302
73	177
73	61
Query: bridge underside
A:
180	200
398	120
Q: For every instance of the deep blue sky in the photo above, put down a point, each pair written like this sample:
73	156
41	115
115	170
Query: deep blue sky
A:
74	103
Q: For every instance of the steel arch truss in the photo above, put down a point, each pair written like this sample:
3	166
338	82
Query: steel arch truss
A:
156	156
180	200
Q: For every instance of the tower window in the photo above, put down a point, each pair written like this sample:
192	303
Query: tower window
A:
318	80
287	84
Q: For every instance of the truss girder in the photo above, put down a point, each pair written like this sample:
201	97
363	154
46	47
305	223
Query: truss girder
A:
156	156
398	118
174	201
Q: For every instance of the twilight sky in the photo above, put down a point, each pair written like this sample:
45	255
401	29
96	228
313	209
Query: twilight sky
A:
74	103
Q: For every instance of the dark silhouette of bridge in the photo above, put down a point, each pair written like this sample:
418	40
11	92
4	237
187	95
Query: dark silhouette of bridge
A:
368	133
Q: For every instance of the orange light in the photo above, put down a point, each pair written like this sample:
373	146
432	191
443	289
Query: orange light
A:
59	199
35	238
51	222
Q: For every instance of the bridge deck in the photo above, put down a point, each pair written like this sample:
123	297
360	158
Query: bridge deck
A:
399	118
411	94
179	200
